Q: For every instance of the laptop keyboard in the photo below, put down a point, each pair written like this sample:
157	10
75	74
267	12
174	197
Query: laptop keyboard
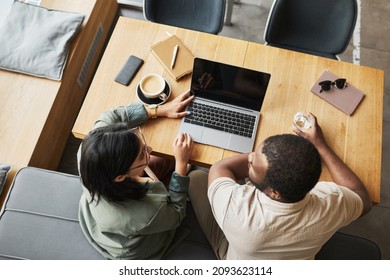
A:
221	119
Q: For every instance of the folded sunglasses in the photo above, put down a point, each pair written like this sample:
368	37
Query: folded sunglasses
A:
327	85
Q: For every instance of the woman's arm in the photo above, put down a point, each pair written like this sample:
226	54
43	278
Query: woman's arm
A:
179	183
136	114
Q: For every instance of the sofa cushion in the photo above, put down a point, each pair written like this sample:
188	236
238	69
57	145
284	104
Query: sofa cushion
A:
40	218
35	40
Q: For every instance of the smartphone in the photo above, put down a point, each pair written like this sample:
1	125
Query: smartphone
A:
129	70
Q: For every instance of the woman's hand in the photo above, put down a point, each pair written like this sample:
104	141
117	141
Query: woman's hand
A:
174	109
182	151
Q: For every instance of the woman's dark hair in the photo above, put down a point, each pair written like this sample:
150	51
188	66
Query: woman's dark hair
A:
106	153
294	166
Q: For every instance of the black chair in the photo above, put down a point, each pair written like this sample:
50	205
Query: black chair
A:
201	15
342	246
321	27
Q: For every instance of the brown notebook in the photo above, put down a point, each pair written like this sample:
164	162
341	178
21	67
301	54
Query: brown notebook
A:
346	99
164	52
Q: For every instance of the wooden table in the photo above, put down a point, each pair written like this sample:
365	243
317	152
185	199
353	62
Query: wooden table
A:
37	115
356	139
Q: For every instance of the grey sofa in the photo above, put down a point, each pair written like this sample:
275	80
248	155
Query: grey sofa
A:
39	221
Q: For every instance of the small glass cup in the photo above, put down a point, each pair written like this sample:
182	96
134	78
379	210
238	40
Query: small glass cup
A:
303	121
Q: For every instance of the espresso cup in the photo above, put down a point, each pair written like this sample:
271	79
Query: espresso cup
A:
152	86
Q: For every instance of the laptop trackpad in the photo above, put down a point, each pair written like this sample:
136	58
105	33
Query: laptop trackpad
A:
193	130
215	138
241	144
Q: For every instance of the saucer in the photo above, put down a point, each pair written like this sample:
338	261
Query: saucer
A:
157	101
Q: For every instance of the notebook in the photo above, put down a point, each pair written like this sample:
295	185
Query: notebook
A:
346	99
164	51
226	110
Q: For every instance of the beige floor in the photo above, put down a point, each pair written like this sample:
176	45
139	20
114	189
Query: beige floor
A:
248	22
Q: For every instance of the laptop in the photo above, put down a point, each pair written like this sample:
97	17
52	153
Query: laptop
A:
226	109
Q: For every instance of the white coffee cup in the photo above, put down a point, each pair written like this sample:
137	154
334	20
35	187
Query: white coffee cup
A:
152	86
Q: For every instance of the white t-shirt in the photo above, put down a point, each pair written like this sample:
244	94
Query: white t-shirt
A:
258	227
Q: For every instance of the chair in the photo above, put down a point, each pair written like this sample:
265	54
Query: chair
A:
322	27
342	246
201	15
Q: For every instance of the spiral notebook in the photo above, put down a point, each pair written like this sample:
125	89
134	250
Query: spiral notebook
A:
347	99
164	50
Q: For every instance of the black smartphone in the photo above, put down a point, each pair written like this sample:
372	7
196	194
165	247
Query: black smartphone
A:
128	70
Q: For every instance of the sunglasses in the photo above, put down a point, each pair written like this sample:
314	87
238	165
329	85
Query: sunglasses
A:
327	85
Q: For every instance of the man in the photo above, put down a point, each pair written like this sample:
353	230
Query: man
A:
282	212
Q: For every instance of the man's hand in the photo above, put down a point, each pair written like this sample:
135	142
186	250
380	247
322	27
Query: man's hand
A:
313	134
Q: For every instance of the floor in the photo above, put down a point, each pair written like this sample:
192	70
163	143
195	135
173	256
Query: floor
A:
248	23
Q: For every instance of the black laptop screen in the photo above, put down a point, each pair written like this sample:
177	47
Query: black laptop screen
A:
229	84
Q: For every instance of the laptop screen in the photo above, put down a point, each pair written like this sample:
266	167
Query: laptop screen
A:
229	84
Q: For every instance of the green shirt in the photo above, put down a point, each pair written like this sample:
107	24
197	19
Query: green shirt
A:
135	229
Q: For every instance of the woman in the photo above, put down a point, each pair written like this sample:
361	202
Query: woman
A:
123	214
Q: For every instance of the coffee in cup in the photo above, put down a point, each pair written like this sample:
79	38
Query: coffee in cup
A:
152	86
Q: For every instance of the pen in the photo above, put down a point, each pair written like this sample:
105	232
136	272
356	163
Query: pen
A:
175	50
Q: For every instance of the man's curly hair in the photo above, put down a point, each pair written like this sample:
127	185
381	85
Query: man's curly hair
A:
294	166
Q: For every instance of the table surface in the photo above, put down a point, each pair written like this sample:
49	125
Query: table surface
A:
356	139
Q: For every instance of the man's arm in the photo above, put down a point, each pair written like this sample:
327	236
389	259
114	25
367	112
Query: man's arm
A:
340	172
235	168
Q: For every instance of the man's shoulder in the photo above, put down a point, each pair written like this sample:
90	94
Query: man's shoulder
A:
331	189
224	183
223	180
225	187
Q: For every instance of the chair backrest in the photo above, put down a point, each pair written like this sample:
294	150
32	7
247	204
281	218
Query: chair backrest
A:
342	246
201	15
321	27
